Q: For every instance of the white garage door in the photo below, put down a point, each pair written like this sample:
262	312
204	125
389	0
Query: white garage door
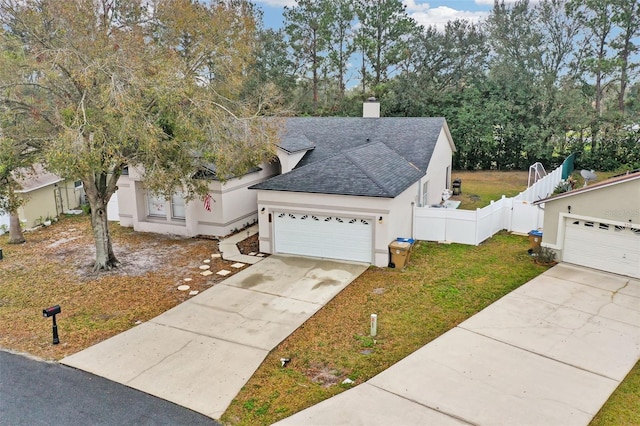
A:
603	246
334	237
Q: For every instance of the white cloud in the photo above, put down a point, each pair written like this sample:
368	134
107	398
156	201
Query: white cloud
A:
491	2
439	16
276	3
413	7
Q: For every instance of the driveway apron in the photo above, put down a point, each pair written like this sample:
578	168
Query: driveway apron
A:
549	353
200	353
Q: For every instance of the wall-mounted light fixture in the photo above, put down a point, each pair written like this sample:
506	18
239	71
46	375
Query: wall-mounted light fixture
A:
262	210
380	219
569	209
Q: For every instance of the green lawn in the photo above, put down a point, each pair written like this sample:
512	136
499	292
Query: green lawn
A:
623	407
442	286
479	188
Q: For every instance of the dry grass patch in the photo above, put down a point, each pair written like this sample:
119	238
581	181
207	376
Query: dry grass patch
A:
55	267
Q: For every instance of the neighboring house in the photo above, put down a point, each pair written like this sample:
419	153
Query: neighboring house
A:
348	185
46	195
228	207
597	226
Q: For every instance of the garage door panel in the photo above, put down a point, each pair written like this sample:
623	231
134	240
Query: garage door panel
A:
335	237
603	246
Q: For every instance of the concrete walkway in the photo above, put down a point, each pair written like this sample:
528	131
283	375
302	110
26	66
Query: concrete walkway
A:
549	353
200	353
229	250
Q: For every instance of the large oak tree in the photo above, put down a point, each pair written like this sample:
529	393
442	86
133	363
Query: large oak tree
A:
154	84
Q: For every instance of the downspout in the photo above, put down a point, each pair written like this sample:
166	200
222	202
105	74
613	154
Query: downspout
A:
413	214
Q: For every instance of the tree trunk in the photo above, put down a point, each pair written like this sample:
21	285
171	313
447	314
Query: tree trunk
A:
15	231
105	259
378	57
364	71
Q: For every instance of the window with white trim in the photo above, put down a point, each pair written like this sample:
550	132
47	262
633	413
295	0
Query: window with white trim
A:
156	206
178	210
425	188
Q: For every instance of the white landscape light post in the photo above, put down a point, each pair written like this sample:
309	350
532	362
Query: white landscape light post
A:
374	325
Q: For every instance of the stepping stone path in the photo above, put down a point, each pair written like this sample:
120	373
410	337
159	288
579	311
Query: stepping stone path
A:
260	254
186	280
223	272
238	265
193	292
206	261
253	253
206	273
204	267
216	256
183	287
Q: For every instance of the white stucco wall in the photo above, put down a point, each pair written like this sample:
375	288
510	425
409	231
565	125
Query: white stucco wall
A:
401	214
325	204
232	206
396	214
126	201
289	160
439	172
48	201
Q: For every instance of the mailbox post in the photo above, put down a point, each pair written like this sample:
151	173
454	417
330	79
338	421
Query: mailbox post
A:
52	312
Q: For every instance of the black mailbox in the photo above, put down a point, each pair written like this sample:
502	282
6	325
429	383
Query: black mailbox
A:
49	312
52	312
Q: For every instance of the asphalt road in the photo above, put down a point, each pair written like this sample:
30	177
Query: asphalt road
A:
45	393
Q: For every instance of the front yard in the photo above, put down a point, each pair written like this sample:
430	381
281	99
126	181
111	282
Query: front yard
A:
442	286
54	267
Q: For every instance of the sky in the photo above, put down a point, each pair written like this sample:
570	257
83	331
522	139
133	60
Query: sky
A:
425	12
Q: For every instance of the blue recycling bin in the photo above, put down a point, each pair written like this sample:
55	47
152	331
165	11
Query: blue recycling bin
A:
406	240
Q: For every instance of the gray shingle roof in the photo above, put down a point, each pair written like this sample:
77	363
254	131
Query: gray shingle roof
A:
295	143
35	178
376	157
209	171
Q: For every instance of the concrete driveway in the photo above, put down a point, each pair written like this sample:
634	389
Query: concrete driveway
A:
200	353
549	353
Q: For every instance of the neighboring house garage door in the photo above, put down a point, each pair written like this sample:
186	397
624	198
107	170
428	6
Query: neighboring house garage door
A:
603	246
334	237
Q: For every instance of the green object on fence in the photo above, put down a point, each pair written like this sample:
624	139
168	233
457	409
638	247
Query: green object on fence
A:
567	166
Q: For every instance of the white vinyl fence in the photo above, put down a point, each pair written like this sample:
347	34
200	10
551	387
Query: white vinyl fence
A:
113	211
4	222
515	214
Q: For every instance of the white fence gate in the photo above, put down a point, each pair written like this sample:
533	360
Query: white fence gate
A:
515	214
